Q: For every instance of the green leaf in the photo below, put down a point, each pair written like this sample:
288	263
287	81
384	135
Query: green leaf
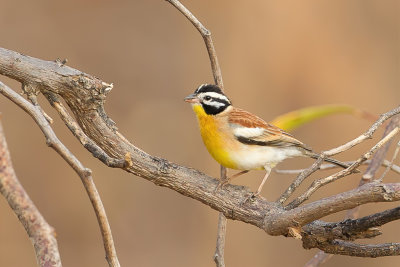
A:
294	119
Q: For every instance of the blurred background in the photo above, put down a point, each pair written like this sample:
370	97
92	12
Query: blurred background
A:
276	56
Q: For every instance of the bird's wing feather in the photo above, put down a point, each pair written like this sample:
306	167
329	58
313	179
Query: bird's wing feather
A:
250	129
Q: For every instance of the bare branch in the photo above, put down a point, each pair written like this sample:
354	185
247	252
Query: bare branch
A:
364	136
361	250
206	34
85	94
216	70
299	179
319	258
373	166
329	166
379	157
84	173
40	233
396	152
219	251
323	181
372	192
350	229
96	151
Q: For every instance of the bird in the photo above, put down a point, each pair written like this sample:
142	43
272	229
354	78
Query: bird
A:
239	140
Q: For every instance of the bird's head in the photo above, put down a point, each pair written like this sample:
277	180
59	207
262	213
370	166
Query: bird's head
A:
210	97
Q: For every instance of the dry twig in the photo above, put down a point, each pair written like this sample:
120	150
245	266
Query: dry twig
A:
85	174
40	233
216	71
324	181
373	165
85	96
219	251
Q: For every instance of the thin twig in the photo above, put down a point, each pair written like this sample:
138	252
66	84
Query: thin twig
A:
324	181
377	160
219	251
84	173
40	233
306	173
216	71
299	179
364	136
319	258
329	166
32	93
88	143
389	167
206	34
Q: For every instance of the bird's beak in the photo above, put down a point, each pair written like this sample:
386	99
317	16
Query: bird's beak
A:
192	99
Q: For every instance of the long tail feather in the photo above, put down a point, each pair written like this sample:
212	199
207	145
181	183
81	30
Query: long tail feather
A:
331	160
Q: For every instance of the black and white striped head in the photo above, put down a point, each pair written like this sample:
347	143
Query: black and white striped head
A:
210	97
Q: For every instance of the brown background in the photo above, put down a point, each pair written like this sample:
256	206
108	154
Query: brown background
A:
275	56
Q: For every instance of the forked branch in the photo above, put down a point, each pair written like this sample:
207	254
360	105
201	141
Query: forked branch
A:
85	174
85	96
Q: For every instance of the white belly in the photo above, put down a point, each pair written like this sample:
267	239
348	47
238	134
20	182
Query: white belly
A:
257	157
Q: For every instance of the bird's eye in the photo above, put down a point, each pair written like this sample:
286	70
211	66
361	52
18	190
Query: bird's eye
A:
207	98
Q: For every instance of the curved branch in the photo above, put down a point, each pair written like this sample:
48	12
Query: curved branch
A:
297	217
361	250
84	173
40	233
323	181
368	134
351	229
206	34
85	95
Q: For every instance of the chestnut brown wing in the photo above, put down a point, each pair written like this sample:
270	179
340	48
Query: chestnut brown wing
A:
252	130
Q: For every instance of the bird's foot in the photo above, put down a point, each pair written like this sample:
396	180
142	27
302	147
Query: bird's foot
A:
250	198
221	184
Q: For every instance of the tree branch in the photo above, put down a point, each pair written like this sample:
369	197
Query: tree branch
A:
324	181
365	135
219	251
84	173
85	96
216	71
206	34
359	250
40	233
378	159
300	216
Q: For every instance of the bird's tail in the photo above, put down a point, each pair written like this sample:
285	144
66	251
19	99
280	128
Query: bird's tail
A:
331	160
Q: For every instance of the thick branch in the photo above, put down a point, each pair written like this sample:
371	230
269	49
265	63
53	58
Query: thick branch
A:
40	233
300	216
85	95
361	250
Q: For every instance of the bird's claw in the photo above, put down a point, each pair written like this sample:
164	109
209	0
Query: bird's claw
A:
220	185
250	198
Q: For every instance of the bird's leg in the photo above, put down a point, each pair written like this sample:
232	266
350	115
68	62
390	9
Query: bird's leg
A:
228	179
252	196
268	169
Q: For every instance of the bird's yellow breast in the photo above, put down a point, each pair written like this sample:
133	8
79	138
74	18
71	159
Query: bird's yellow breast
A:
215	138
